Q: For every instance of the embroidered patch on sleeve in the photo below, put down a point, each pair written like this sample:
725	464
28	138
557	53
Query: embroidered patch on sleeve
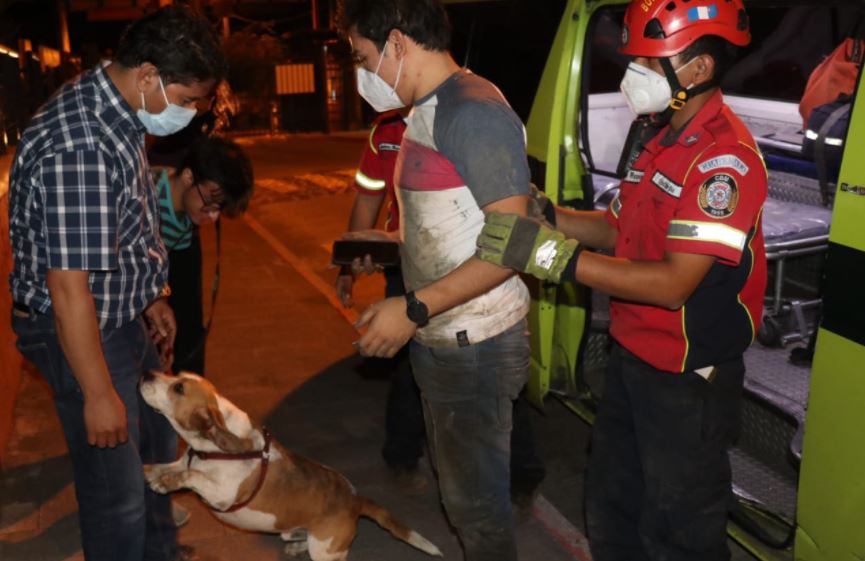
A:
616	205
719	196
725	161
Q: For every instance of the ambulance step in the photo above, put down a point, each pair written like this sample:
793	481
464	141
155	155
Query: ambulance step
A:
770	377
773	489
766	458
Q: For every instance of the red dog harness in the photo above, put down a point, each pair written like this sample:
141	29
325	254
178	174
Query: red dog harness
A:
263	455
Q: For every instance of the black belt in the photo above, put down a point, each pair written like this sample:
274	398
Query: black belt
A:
25	310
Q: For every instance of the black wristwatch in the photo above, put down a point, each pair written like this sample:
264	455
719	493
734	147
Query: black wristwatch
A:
416	310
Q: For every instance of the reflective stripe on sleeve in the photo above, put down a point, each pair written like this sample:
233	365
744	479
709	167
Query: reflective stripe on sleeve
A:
707	232
368	182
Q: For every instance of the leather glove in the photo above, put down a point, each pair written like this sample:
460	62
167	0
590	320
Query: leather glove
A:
525	245
541	207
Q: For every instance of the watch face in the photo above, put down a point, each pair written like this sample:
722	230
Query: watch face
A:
417	311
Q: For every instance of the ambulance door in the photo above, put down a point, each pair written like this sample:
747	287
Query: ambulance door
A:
561	317
831	501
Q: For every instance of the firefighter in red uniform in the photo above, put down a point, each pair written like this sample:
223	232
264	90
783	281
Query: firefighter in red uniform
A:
404	424
687	281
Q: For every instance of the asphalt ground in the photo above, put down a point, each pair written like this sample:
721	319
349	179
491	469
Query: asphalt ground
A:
280	349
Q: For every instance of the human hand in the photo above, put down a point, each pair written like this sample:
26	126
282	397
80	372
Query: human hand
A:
525	245
344	286
105	420
162	328
369	235
366	265
389	328
541	208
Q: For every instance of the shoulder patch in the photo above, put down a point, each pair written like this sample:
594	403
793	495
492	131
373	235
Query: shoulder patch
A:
719	196
667	185
724	161
616	205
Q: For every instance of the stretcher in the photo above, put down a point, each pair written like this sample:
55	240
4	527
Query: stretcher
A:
796	233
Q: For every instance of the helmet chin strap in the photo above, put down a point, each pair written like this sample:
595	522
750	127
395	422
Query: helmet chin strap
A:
681	95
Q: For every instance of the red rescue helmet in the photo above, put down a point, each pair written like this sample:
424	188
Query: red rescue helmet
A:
663	28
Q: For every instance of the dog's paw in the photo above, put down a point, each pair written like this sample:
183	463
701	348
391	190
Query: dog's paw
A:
153	471
296	549
296	542
162	480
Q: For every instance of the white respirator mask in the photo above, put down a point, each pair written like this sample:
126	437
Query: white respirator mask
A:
645	90
378	93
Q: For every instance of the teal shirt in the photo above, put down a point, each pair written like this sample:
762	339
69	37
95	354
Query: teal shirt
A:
176	232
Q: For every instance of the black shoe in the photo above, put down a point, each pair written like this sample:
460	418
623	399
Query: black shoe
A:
524	491
523	502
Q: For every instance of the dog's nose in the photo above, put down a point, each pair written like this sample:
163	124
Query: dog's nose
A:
148	377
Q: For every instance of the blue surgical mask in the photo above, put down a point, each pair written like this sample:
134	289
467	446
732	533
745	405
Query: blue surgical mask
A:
172	119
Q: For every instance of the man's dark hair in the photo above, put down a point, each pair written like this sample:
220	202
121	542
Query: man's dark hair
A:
425	21
178	42
226	164
722	52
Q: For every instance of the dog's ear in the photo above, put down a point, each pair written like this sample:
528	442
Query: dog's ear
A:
211	425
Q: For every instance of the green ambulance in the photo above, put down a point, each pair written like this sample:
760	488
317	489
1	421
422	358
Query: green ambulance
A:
799	468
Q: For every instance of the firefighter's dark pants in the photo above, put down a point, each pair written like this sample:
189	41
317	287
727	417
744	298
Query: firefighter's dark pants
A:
658	485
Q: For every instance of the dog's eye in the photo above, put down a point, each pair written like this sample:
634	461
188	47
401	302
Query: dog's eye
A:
177	388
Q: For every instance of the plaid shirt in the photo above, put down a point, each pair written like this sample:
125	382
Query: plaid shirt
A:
81	198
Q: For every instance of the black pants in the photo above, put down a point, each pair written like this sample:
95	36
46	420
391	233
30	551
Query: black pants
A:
184	278
658	485
405	431
404	423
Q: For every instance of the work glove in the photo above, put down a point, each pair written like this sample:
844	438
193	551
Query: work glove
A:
525	245
541	207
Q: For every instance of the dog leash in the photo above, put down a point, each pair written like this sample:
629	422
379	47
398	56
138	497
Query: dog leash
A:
263	455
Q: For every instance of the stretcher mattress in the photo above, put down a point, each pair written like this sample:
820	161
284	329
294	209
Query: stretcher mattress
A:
785	222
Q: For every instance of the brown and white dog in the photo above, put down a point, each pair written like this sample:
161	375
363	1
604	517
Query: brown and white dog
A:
251	482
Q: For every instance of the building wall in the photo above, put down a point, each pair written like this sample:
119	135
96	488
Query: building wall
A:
10	360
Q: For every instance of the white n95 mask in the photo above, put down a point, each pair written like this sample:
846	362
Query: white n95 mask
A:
376	91
645	90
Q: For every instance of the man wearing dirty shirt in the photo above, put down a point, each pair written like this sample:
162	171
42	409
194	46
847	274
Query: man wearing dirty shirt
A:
463	154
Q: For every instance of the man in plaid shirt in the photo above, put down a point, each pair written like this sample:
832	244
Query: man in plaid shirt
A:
90	270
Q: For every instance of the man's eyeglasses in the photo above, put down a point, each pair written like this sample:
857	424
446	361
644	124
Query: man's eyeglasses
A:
210	204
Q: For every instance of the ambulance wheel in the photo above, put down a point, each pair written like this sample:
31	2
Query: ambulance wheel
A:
770	332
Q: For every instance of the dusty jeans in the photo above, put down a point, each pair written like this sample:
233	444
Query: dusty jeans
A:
468	394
